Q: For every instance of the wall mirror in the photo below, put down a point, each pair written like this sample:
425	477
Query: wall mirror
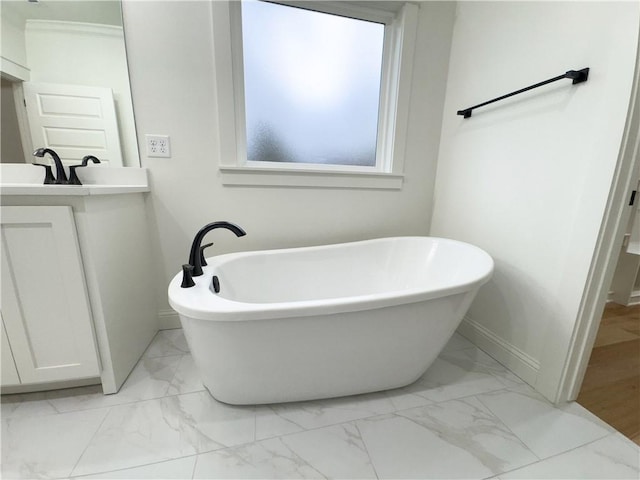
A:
65	82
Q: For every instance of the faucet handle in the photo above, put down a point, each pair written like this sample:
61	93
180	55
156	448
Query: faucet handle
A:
73	176
187	276
203	262
48	173
86	158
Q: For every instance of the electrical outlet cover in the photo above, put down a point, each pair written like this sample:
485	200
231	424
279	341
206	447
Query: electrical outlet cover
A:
158	146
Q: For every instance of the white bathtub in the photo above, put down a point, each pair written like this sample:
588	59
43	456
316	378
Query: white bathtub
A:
327	321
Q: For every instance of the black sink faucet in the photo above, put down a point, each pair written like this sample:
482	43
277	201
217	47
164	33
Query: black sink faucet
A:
61	176
73	176
194	267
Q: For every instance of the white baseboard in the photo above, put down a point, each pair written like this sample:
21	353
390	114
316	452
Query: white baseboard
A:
520	363
634	298
168	319
40	387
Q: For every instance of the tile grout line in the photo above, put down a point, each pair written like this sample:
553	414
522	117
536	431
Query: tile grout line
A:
509	429
555	454
434	402
130	468
195	465
84	450
496	418
364	444
610	434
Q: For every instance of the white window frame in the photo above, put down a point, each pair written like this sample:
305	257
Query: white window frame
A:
398	50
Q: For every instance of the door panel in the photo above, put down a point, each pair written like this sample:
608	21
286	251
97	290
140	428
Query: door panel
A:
9	374
73	120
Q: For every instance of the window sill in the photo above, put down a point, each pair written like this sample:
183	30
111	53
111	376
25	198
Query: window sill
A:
270	177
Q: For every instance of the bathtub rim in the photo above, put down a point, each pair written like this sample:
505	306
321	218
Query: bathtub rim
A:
200	303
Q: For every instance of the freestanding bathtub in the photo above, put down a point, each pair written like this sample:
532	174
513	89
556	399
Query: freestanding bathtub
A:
327	321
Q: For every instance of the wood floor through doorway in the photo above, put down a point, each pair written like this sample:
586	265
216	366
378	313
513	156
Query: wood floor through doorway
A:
611	387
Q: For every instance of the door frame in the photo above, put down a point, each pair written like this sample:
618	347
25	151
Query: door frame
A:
609	243
23	120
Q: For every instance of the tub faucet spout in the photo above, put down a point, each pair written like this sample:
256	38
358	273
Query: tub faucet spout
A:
194	256
61	176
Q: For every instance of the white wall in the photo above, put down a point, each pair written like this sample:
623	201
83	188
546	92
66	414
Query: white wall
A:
13	52
172	71
527	179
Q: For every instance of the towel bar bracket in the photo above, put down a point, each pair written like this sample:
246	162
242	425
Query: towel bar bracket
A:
578	76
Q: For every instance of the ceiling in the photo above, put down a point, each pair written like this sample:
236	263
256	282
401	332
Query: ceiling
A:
105	12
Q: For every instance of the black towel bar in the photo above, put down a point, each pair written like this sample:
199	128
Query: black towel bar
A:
578	76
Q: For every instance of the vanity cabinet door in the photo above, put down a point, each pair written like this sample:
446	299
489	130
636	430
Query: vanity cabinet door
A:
9	374
45	306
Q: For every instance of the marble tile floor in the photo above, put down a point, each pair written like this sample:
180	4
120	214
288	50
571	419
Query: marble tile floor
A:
467	417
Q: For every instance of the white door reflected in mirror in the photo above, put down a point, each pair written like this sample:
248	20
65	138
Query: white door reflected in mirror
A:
73	120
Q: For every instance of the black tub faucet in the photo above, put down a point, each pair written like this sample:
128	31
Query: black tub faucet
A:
195	255
61	176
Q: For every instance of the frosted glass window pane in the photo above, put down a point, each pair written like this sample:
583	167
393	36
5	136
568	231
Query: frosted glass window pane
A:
312	85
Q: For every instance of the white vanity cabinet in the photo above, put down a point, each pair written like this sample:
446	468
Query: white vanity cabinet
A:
45	309
78	304
9	373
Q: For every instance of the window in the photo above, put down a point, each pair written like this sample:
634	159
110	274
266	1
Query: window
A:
320	92
311	85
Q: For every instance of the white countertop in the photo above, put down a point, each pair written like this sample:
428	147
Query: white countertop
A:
24	179
34	189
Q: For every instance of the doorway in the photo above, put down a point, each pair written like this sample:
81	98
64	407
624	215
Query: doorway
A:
616	232
11	142
611	386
